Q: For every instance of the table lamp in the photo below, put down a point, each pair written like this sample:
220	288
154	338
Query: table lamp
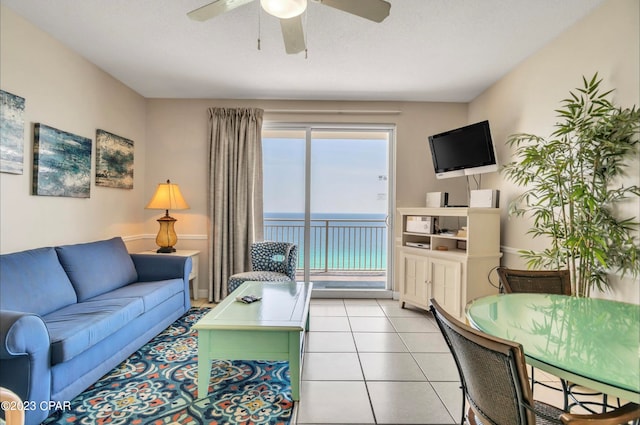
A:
167	197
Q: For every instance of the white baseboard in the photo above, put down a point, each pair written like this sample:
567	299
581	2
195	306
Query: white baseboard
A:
510	250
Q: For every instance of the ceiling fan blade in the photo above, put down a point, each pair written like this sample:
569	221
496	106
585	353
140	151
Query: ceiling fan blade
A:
214	9
293	34
373	10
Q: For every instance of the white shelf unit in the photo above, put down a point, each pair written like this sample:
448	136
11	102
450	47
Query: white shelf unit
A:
452	268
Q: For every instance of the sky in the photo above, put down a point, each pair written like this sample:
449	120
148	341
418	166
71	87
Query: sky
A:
347	175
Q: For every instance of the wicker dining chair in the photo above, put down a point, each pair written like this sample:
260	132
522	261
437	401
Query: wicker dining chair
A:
494	381
534	281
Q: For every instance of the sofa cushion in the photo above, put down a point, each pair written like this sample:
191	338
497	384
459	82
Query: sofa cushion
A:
151	293
75	328
34	281
97	267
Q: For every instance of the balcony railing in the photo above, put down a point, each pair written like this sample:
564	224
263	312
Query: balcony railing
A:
334	244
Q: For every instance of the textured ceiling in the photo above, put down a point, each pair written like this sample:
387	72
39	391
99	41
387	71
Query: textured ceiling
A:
426	50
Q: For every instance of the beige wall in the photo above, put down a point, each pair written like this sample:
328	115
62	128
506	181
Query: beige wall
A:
65	91
608	42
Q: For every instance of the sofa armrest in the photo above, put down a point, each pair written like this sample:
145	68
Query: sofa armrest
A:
152	267
24	355
22	334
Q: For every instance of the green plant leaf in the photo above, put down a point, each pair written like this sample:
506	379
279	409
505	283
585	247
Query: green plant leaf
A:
571	181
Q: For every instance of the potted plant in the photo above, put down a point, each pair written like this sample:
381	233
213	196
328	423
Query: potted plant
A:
572	182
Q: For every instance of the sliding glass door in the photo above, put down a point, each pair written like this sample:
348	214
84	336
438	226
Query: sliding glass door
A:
328	190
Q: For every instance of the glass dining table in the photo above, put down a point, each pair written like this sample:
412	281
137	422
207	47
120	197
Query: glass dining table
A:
591	342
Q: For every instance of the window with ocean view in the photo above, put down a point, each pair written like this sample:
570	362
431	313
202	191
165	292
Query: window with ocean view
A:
327	190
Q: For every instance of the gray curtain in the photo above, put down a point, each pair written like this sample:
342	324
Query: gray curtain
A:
235	193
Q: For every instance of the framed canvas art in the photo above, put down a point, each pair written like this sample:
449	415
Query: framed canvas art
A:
61	163
11	133
114	160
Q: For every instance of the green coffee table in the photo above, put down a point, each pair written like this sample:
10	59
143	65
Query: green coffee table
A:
270	329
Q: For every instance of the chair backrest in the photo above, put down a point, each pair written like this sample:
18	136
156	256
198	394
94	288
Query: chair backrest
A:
535	281
281	257
492	372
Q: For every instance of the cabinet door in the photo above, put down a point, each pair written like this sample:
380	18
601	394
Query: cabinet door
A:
414	279
444	284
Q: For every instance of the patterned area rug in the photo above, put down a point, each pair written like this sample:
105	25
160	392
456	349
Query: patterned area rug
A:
157	384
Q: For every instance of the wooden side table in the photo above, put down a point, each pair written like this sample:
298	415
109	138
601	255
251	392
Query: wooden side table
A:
193	276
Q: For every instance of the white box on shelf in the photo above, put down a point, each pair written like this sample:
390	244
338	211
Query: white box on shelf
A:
485	198
437	199
420	224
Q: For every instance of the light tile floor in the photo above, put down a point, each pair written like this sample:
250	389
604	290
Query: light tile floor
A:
372	362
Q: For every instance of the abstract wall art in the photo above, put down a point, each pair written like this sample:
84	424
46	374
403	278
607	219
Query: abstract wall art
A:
114	160
11	133
61	163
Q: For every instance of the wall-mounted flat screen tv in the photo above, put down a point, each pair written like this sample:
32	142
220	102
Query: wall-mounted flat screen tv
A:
464	151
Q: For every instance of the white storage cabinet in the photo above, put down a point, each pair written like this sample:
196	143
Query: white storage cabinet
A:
452	267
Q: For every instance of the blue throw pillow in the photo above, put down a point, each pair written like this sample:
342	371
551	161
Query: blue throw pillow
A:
97	267
33	281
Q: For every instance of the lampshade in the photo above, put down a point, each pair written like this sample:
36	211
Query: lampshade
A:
284	9
167	197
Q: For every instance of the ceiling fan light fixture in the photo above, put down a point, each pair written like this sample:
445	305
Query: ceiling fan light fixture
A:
284	9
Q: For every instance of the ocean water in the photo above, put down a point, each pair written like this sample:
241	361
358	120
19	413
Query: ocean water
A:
338	241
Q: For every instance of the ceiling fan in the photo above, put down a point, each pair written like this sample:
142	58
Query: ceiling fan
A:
290	14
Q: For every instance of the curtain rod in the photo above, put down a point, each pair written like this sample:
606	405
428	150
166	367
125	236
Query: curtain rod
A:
334	111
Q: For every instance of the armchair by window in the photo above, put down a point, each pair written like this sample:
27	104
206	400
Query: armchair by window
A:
270	262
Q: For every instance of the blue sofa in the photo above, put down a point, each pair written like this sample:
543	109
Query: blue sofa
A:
70	314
